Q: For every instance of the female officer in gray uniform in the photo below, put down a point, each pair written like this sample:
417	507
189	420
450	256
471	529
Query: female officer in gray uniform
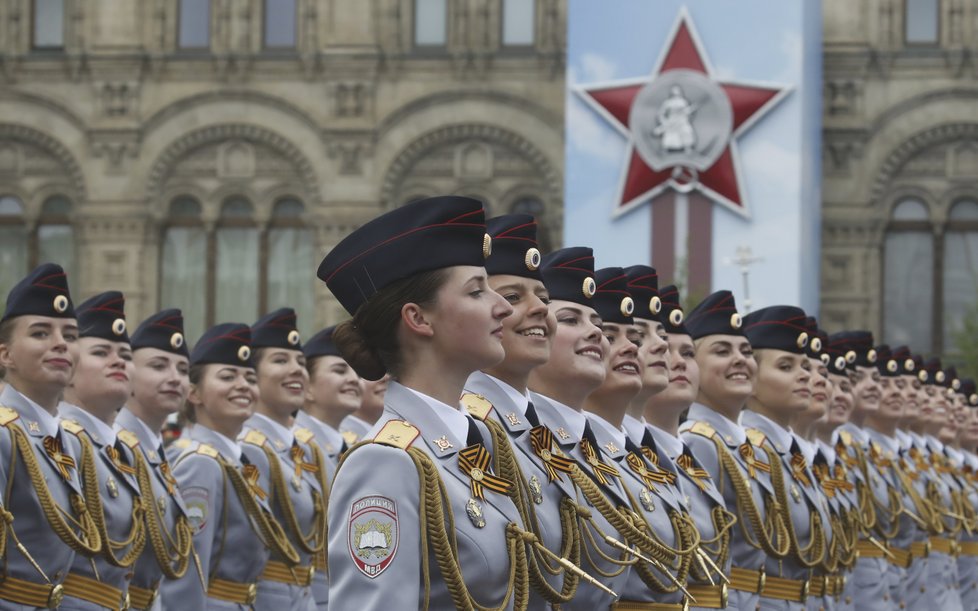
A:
48	521
225	494
295	473
417	515
100	387
159	388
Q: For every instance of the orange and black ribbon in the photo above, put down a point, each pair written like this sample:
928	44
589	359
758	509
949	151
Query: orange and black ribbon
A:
649	477
474	462
913	475
649	453
698	474
52	445
799	467
251	475
753	465
171	482
542	441
842	451
600	468
120	464
299	458
877	456
842	479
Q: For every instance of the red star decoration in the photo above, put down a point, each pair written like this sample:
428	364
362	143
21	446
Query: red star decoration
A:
720	181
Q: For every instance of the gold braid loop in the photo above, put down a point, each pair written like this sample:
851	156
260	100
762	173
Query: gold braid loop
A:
718	547
173	557
315	541
813	553
265	526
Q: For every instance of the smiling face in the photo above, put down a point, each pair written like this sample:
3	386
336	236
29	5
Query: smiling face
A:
684	375
527	332
841	403
892	390
224	397
282	379
783	382
653	354
623	376
40	353
102	380
334	388
159	380
911	399
821	389
727	370
579	350
866	390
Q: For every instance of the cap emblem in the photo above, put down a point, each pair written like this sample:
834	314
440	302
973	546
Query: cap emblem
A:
816	344
293	338
532	259
840	363
956	384
60	304
892	366
826	359
655	304
676	317
735	321
589	287
939	377
802	340
244	353
627	306
973	399
909	365
486	245
922	375
871	356
118	326
851	357
176	341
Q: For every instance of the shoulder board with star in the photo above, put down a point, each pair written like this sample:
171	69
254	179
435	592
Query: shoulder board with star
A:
845	437
350	437
477	405
181	444
756	437
303	434
703	429
255	438
7	416
398	434
72	427
207	450
128	438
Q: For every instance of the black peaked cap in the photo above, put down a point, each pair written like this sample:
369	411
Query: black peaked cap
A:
778	327
43	292
612	301
103	316
569	275
164	331
672	315
515	251
715	315
643	284
276	330
224	344
321	344
856	346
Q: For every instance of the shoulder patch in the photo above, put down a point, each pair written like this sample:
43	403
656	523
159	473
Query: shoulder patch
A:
128	438
477	405
303	434
207	450
350	437
398	433
846	437
756	437
181	444
254	437
7	416
703	428
72	427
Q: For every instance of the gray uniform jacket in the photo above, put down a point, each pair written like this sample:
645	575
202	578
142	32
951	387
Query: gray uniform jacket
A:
743	553
942	569
354	429
259	432
169	506
656	505
31	527
545	495
841	502
322	439
375	542
968	563
225	539
599	559
119	491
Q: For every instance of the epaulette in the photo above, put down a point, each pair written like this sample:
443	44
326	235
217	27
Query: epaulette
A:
181	444
703	428
7	416
846	438
256	438
756	437
303	434
350	437
128	438
207	450
397	433
477	405
72	427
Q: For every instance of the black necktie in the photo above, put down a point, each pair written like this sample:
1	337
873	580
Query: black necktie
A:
531	415
244	459
161	453
589	435
474	436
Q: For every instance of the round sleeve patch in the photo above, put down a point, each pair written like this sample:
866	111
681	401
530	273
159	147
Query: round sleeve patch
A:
197	500
373	534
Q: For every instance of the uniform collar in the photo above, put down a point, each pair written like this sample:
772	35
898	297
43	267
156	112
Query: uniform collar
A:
273	429
451	416
30	411
227	447
779	436
857	433
99	431
520	400
634	428
933	444
330	438
576	421
887	442
904	439
730	431
827	451
126	420
352	421
616	434
667	442
808	448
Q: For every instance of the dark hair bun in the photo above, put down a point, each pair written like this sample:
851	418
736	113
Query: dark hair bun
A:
353	346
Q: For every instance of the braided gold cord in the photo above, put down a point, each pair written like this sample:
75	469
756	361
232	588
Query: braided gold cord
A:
808	555
315	541
173	557
718	547
265	526
89	543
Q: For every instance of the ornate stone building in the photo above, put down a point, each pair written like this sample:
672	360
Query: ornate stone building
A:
205	154
900	158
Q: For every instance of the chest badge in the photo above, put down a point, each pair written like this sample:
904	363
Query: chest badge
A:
536	490
443	443
112	487
474	510
645	497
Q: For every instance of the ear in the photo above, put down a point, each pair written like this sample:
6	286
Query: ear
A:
194	396
5	360
415	321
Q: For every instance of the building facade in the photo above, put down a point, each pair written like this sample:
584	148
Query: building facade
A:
900	162
205	154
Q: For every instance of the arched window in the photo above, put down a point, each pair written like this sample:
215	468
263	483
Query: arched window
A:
518	22
13	243
194	29
291	254
55	236
183	266
235	284
921	21
908	277
960	281
48	27
280	24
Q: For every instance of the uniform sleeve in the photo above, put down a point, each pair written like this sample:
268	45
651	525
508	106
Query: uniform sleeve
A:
201	482
374	553
705	452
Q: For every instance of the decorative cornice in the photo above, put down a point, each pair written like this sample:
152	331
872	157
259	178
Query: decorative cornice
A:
914	144
59	151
